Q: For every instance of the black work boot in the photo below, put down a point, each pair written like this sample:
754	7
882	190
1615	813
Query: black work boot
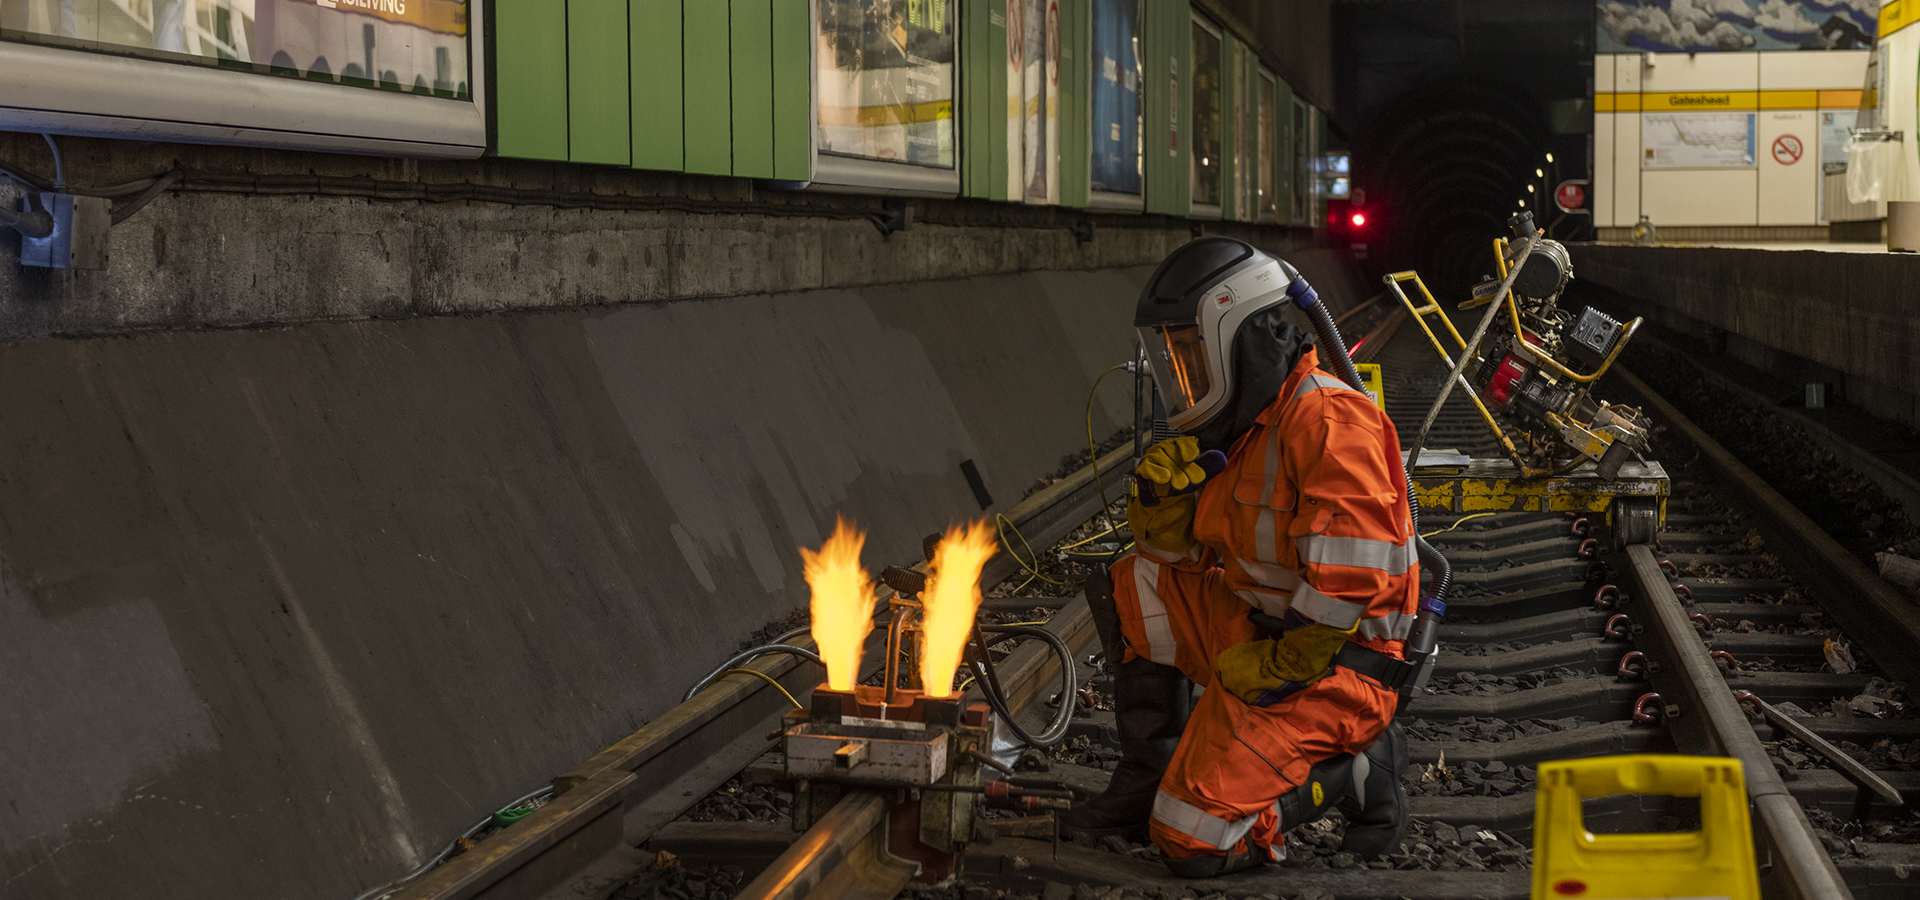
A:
1328	784
1376	805
1151	702
1242	856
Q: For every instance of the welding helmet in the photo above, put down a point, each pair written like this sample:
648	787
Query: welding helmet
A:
1190	315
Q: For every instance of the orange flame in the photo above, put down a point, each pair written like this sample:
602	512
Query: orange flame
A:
952	596
842	602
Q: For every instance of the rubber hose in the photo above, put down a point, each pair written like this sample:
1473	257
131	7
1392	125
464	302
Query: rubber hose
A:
747	655
1063	717
1333	352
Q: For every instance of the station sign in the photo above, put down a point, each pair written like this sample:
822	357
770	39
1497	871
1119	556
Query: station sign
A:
1570	195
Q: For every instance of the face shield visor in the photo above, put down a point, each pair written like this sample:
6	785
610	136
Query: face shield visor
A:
1178	356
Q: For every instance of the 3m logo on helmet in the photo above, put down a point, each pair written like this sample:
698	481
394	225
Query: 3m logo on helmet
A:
1223	300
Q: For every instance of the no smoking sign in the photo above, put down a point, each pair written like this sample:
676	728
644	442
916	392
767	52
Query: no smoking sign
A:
1787	149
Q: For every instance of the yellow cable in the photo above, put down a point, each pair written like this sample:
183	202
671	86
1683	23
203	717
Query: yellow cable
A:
1001	523
768	679
1110	530
1456	524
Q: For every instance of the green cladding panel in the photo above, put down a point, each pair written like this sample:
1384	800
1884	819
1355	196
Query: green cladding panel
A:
530	80
792	91
983	100
654	70
598	128
752	70
1076	100
707	39
1168	121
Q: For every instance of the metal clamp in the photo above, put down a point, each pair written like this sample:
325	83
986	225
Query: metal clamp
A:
1617	628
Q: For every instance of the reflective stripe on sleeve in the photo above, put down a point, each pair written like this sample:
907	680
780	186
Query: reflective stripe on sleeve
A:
1272	474
1187	819
1324	609
1394	626
1275	605
1153	611
1279	578
1316	381
1363	553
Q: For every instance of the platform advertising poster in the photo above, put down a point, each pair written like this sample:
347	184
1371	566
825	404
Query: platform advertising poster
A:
885	80
418	46
1033	103
1701	26
1116	158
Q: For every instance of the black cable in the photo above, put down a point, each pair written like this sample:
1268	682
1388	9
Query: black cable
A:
126	211
1062	719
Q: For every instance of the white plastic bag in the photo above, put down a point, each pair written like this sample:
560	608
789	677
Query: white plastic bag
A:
1875	169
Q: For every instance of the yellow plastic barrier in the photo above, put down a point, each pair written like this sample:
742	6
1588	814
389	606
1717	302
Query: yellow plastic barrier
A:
1370	376
1715	862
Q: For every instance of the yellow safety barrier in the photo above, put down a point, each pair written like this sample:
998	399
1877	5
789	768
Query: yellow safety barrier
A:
1571	862
1370	376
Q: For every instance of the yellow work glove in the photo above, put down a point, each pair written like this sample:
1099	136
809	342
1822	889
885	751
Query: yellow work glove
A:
1166	526
1263	672
1171	464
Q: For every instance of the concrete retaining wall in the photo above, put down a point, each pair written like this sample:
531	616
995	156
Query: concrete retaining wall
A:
285	609
1850	318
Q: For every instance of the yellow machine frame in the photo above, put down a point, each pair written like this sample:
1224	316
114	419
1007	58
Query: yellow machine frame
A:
1432	306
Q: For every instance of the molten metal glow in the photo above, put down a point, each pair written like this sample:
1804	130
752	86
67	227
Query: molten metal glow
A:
952	596
842	602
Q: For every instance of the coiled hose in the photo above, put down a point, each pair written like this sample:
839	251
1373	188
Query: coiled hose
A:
1333	352
1062	718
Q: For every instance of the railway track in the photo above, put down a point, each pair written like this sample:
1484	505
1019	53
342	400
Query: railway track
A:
1716	640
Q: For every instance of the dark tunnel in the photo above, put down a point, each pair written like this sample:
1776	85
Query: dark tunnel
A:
1449	108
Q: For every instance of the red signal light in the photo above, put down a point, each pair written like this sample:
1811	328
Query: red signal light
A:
1359	219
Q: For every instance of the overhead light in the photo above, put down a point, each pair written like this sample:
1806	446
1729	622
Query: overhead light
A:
1549	157
1529	189
1523	204
1539	174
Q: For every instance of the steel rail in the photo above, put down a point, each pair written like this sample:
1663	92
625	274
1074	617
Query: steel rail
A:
1864	605
1705	718
641	783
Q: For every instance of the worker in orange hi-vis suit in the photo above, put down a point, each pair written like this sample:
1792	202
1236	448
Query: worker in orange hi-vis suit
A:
1274	565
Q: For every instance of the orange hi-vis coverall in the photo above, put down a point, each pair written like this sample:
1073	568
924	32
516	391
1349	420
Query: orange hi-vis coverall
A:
1310	515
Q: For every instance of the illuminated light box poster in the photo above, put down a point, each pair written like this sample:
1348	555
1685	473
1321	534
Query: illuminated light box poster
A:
1116	162
885	80
1696	140
418	46
1033	100
1697	26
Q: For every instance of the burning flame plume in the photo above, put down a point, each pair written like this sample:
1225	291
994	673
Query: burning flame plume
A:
842	602
952	596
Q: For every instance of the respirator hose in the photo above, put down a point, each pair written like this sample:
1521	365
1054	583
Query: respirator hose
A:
1333	354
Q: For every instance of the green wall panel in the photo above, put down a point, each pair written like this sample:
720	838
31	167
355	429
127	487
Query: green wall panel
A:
598	128
654	70
1076	99
792	91
1168	121
752	69
530	80
707	42
983	100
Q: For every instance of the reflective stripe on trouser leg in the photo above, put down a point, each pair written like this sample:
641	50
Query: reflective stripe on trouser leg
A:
1153	612
1185	818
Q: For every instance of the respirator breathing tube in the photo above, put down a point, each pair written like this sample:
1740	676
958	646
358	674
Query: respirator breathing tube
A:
1424	643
